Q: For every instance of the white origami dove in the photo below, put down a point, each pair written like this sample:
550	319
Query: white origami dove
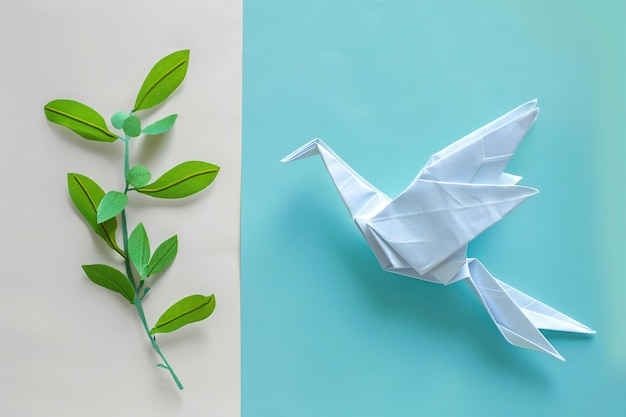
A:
423	233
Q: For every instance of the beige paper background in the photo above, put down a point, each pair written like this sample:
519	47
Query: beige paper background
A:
68	347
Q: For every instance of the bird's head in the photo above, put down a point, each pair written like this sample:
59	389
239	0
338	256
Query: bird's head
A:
309	149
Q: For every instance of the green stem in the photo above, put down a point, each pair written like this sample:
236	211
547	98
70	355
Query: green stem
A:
129	271
138	287
126	159
155	346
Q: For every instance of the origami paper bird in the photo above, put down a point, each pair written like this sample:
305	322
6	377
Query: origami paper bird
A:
424	232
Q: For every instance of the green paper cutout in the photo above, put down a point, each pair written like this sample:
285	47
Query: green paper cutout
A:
139	252
132	126
86	196
160	126
100	210
163	79
139	249
111	278
117	120
182	181
111	205
163	256
138	176
79	118
188	310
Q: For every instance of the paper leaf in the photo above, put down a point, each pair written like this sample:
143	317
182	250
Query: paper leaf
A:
138	176
117	120
139	249
132	126
163	256
108	277
160	126
80	119
86	196
163	79
188	310
111	205
183	180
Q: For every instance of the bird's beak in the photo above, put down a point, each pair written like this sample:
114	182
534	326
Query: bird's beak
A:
304	151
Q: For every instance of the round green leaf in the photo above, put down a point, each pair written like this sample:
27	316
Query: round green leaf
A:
138	176
117	120
79	118
183	180
163	79
132	126
188	310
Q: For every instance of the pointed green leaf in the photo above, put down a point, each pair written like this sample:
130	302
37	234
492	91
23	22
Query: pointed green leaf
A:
110	278
139	249
163	79
188	310
183	180
138	176
132	126
163	256
160	126
111	205
86	196
79	118
117	120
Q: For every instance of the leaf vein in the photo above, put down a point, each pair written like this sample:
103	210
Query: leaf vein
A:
85	122
158	260
161	78
165	187
166	322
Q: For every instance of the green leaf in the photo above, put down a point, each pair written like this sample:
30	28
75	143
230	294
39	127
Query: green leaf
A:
79	118
110	278
86	196
117	120
163	79
138	176
111	205
183	180
132	126
160	126
163	256
139	249
188	310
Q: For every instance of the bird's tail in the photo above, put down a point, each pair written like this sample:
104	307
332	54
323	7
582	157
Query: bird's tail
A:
518	316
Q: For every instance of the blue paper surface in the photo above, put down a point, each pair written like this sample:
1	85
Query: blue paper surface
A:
324	330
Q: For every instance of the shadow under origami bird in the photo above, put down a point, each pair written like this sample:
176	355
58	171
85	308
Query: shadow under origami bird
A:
424	232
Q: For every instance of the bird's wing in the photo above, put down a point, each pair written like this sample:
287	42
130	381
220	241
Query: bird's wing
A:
430	221
482	156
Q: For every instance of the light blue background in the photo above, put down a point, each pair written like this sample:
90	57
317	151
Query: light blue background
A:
325	332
